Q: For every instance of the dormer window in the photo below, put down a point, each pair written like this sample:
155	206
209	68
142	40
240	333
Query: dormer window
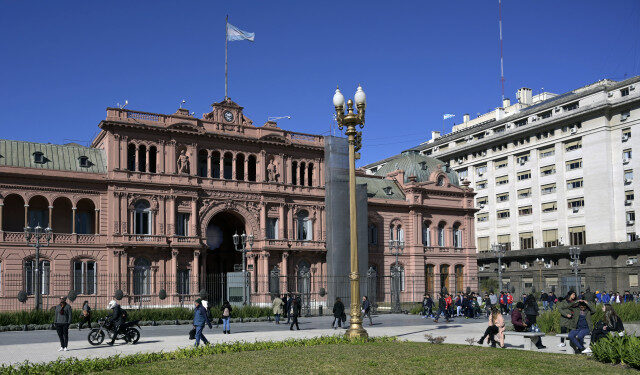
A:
84	162
387	190
423	165
38	157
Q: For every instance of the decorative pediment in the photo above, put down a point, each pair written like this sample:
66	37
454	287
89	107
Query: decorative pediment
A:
186	126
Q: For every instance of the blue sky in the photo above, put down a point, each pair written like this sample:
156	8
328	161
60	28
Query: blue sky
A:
64	62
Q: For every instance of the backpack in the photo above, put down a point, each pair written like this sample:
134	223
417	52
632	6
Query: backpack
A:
225	312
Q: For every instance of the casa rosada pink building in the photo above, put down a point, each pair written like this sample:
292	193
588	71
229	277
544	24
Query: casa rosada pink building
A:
151	206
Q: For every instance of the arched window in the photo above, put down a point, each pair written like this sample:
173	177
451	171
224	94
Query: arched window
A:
310	174
63	215
215	164
228	166
441	233
302	168
84	277
30	276
440	181
457	235
373	234
426	233
305	227
459	270
430	277
142	218
294	173
131	157
13	213
141	277
153	159
444	277
142	158
251	168
304	279
202	163
240	167
85	216
38	212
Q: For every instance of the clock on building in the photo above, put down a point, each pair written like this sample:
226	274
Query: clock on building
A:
228	116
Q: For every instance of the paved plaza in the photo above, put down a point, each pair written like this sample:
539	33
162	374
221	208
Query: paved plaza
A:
42	346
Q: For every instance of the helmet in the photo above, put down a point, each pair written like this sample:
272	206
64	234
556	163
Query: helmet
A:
111	304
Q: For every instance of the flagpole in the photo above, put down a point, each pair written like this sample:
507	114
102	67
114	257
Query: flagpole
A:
226	65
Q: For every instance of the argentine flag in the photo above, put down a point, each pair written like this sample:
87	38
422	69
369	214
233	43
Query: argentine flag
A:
235	34
447	115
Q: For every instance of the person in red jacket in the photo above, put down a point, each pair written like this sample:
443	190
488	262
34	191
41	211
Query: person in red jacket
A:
509	302
449	302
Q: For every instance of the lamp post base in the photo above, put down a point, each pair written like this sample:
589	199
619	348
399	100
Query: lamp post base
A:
356	331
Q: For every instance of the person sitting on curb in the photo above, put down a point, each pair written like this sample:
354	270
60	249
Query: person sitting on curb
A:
582	326
520	325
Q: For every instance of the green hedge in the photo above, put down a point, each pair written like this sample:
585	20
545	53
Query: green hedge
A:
616	349
549	321
81	366
43	317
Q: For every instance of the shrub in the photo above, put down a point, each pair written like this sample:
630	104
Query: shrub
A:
549	321
79	366
618	349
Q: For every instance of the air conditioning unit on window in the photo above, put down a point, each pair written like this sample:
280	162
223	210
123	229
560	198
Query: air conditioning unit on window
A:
483	153
627	202
625	161
630	222
547	265
524	266
625	137
627	181
574	130
480	268
523	162
575	210
557	109
610	94
480	174
631	261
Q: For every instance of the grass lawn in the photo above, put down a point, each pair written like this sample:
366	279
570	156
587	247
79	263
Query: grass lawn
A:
380	358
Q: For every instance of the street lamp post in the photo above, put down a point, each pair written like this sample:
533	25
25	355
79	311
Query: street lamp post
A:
37	234
240	243
499	250
574	253
397	247
350	120
540	262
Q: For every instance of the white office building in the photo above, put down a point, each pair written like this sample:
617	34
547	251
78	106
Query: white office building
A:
553	171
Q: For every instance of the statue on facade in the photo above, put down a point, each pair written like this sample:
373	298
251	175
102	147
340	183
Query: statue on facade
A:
272	171
183	163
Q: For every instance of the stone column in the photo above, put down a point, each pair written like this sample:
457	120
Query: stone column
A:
174	273
209	164
26	215
147	160
263	220
161	157
171	216
286	164
96	219
193	159
50	216
261	164
285	271
290	226
1	222
123	152
171	158
281	222
221	162
73	219
246	167
196	272
194	217
124	211
137	166
263	283
233	167
116	150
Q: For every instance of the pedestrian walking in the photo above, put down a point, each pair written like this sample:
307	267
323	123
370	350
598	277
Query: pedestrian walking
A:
566	314
442	309
294	312
427	306
61	320
200	318
226	315
86	315
288	306
277	306
338	312
366	309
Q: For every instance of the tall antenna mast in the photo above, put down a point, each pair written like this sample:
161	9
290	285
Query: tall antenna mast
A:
501	55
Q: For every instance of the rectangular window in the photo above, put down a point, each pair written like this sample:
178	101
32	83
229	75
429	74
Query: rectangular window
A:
525	211
631	217
577	236
624	91
547	151
499	129
631	236
482	200
628	176
30	276
626	134
575	144
481	185
502	180
182	224
524	193
483	243
184	281
526	240
463	173
272	228
504	197
524	175
548	170
574	164
502	214
576	183
629	195
84	277
543	115
480	169
522	158
626	155
575	203
501	163
633	280
548	189
549	207
528	282
520	123
482	217
550	237
570	106
504	240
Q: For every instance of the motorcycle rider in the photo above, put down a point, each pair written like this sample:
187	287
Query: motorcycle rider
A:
116	319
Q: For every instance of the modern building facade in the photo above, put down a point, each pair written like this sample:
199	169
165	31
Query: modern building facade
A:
151	207
553	171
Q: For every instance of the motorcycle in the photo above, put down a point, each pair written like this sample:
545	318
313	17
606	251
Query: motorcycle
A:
128	332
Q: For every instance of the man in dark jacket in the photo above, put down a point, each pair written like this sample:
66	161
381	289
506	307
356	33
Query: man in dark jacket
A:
288	303
442	308
116	319
61	320
366	309
338	311
589	296
294	312
200	318
427	306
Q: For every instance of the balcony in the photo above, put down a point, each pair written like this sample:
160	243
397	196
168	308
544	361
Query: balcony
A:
57	238
271	244
144	239
444	249
185	240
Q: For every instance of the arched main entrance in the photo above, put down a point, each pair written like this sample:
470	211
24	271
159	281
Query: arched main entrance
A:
221	254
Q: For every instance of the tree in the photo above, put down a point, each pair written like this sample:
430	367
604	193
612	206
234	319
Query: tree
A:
488	285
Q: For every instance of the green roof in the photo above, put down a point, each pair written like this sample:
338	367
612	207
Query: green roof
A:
416	164
377	188
56	157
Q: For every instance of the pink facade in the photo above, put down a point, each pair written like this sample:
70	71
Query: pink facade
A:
153	203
